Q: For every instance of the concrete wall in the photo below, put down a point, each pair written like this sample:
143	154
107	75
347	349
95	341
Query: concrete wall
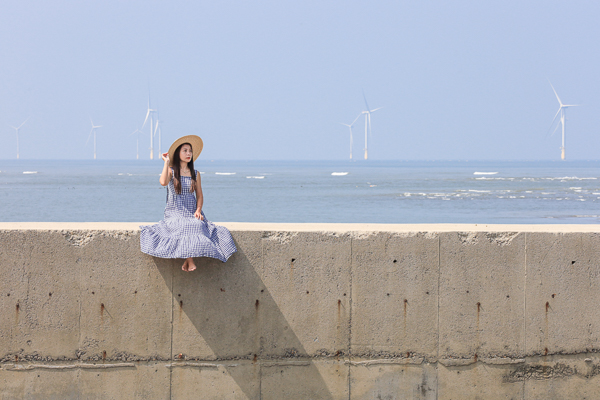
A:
401	312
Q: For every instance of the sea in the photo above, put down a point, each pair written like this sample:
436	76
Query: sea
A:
396	192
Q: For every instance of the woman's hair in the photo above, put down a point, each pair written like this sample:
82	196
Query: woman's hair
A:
177	170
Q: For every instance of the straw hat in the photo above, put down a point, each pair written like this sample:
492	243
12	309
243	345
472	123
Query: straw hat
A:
194	140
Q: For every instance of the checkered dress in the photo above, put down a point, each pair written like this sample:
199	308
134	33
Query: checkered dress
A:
180	235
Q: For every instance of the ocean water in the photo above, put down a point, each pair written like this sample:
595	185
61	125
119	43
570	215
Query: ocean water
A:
309	191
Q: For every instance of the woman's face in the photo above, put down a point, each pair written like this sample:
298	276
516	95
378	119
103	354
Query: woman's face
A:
185	154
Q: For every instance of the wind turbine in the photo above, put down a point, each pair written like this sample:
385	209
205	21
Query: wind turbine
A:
150	114
94	127
17	129
367	114
350	127
157	129
562	111
137	143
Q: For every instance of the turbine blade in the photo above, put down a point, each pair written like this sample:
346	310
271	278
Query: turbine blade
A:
556	115
365	97
557	98
147	115
24	122
355	119
155	128
89	136
554	119
554	131
372	111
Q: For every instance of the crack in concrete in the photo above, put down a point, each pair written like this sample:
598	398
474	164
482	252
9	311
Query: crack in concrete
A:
29	367
545	372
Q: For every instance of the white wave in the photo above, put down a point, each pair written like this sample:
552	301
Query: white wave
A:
480	191
30	172
255	177
225	173
120	173
568	178
339	173
485	173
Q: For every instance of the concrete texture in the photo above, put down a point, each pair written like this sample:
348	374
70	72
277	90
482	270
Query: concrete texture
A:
395	295
229	380
388	380
481	298
563	285
302	311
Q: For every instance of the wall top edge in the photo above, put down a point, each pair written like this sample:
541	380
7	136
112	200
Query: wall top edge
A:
315	227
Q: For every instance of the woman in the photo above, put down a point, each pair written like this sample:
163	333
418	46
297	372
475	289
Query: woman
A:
185	232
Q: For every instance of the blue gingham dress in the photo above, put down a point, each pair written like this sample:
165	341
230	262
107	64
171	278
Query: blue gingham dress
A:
180	235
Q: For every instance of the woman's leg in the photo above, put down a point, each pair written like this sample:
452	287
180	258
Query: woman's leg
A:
185	265
191	265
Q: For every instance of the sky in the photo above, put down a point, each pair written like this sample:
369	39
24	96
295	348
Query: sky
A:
275	80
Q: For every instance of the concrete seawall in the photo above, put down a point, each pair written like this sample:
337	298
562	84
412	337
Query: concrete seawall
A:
309	311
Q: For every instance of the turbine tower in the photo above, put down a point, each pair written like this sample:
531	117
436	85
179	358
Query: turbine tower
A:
17	129
562	111
137	143
367	114
94	127
157	129
150	114
350	127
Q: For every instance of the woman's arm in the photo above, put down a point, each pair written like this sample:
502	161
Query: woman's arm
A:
165	176
199	198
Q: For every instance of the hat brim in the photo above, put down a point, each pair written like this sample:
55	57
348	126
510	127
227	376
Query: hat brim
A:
193	140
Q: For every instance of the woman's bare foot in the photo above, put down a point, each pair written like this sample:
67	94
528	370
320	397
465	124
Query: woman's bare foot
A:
185	265
191	265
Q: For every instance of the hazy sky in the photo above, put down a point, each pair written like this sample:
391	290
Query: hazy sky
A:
274	79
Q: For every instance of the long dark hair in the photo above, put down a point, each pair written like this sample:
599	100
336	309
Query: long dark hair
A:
177	170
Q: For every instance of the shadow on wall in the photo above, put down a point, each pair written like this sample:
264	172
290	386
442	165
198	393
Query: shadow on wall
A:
224	311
